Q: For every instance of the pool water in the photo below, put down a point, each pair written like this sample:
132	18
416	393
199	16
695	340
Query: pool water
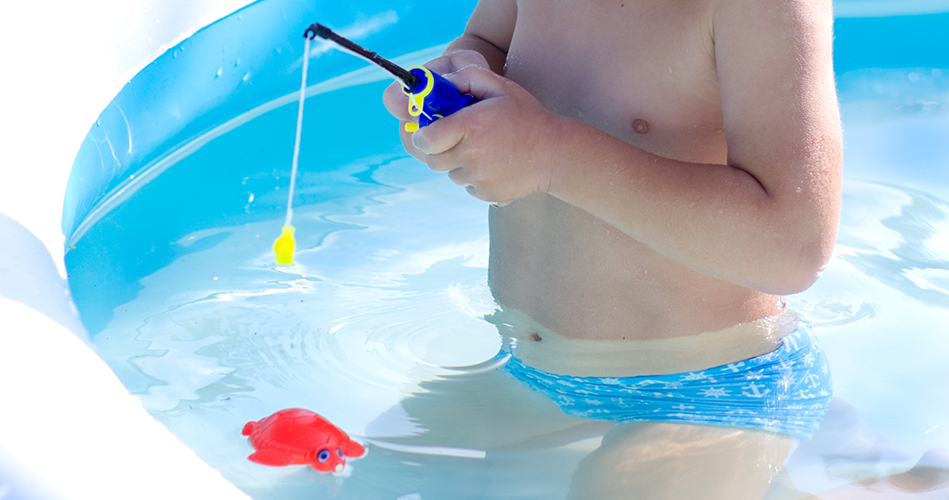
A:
379	324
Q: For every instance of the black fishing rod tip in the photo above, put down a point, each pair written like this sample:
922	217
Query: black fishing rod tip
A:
317	30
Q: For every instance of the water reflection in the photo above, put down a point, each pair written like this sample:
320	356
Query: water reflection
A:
393	347
380	328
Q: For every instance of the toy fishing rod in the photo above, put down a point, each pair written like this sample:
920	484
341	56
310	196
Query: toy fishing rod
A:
431	96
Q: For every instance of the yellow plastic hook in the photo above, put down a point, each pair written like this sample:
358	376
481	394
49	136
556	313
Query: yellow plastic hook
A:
283	247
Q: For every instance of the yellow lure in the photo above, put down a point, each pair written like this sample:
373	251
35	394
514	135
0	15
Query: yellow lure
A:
284	245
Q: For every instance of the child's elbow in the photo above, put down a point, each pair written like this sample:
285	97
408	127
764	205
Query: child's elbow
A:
802	264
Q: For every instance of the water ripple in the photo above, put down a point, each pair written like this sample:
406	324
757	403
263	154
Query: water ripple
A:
900	237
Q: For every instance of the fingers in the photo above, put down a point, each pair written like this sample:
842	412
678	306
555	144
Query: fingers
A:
447	132
480	82
407	144
396	102
470	73
461	177
440	136
455	61
463	66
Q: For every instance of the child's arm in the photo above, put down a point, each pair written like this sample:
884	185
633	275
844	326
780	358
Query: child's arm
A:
765	220
489	31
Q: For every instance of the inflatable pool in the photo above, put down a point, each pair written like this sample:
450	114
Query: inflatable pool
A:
179	188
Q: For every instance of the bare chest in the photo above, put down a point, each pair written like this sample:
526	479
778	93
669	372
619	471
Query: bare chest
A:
641	70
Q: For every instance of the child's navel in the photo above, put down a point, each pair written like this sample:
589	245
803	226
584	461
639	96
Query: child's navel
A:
640	126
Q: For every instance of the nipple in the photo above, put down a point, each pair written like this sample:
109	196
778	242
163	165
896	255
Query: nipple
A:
640	126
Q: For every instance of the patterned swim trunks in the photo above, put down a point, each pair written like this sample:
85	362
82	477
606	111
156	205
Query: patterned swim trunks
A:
784	391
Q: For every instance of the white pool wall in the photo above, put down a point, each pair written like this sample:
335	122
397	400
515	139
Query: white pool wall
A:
68	428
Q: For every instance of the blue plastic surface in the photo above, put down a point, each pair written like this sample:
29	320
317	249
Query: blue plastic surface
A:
443	100
242	61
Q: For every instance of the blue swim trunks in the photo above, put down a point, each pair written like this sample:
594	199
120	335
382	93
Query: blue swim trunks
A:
784	391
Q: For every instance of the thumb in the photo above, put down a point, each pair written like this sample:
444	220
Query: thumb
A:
478	81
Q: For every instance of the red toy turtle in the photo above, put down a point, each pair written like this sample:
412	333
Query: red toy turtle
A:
297	436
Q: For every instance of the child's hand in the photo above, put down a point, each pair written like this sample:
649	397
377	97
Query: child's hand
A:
397	103
498	148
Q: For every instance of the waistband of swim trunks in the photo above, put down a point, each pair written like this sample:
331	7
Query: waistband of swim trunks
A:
554	353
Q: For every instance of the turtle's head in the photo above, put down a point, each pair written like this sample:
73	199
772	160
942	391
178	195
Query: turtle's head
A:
328	460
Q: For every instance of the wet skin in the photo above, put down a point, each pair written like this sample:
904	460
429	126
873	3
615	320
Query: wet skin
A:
661	169
664	169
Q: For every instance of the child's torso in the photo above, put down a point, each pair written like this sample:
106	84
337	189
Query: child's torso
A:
642	71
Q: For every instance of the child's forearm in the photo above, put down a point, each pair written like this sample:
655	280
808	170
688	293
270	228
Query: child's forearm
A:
489	31
719	220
